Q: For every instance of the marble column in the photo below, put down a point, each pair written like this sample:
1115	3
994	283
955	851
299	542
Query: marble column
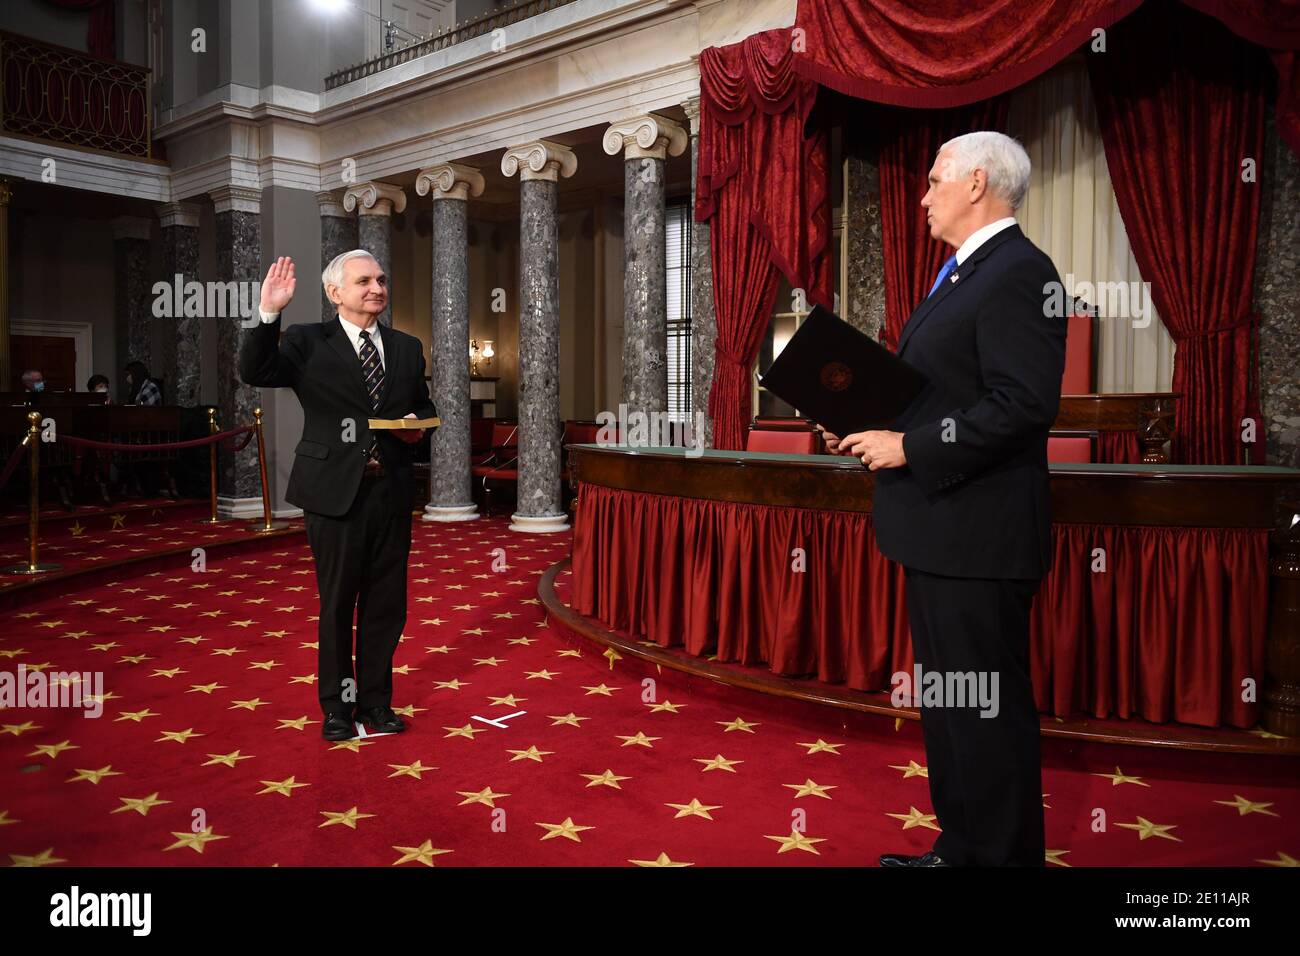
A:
863	302
132	302
645	142
239	259
6	372
539	165
338	234
375	204
179	363
451	185
1277	300
704	320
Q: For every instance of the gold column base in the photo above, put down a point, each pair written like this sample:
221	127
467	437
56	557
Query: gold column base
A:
30	568
258	527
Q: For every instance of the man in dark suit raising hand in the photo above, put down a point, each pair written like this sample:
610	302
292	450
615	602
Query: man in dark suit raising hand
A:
353	484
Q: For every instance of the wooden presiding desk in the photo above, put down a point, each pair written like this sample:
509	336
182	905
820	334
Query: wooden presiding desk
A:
1161	603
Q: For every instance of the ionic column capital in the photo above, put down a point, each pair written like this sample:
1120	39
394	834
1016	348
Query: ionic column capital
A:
179	214
691	107
374	199
540	159
647	136
450	181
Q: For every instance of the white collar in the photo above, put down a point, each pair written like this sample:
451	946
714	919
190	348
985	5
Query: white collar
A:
981	236
354	333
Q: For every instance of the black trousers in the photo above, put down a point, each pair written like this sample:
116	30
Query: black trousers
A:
361	560
985	772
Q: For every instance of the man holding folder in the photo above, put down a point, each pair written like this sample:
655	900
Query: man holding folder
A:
961	498
354	483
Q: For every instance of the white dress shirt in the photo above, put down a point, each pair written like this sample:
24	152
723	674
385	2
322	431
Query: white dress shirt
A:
981	236
353	332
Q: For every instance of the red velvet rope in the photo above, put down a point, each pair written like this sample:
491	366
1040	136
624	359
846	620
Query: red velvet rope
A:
162	446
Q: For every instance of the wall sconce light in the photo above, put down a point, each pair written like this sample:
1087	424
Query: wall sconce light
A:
479	353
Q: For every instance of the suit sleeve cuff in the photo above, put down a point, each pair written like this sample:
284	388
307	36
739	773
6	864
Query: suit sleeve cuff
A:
267	316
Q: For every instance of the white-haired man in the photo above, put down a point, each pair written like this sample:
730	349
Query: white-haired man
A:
354	486
961	500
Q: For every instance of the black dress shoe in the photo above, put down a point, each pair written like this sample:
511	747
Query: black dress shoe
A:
898	859
381	720
339	727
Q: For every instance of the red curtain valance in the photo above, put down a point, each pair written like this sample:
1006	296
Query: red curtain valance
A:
101	32
942	53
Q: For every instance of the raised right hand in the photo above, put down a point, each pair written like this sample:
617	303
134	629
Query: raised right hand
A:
278	286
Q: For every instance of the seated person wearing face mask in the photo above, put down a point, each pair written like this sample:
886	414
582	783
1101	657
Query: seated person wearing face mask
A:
99	383
33	380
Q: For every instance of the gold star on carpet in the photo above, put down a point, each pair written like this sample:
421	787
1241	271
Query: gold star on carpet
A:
405	669
476	631
44	858
1054	856
77	635
130	659
141	805
136	715
1119	777
666	705
542	674
303	679
525	641
718	762
347	818
408	711
661	860
612	655
820	746
195	841
354	745
915	818
468	731
440	649
276	634
169	672
228	760
693	809
454	684
1245	806
226	651
410	770
205	688
424	853
532	753
179	736
606	779
77	530
162	628
810	789
94	776
639	740
911	769
484	796
285	786
570	719
600	689
263	665
737	724
488	661
18	729
568	652
52	750
5	819
568	829
251	704
796	841
119	520
299	723
242	623
510	700
1283	859
1145	828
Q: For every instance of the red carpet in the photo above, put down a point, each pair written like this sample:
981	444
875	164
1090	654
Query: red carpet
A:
208	752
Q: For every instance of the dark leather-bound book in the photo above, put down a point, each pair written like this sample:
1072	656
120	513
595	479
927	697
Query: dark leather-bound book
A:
840	378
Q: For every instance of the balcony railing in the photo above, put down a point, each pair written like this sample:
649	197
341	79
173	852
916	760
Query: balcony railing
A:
440	41
60	95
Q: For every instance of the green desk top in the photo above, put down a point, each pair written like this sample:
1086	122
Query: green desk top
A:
1067	467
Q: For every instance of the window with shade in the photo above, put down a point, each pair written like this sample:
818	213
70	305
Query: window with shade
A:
678	228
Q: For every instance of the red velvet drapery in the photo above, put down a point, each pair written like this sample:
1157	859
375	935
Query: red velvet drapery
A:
1177	122
101	32
908	141
1166	633
764	187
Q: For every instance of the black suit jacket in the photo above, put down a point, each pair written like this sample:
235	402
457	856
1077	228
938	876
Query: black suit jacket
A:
318	362
972	500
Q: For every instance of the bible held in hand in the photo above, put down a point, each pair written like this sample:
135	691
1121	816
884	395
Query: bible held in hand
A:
378	423
840	378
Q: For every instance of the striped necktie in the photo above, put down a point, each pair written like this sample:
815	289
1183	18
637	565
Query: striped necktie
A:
373	371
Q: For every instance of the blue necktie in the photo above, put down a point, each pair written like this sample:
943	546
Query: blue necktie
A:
948	267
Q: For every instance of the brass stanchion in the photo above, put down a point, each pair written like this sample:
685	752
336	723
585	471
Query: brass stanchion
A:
267	524
212	470
32	441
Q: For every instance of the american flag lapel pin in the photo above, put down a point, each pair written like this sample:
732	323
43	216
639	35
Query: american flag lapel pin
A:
954	277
